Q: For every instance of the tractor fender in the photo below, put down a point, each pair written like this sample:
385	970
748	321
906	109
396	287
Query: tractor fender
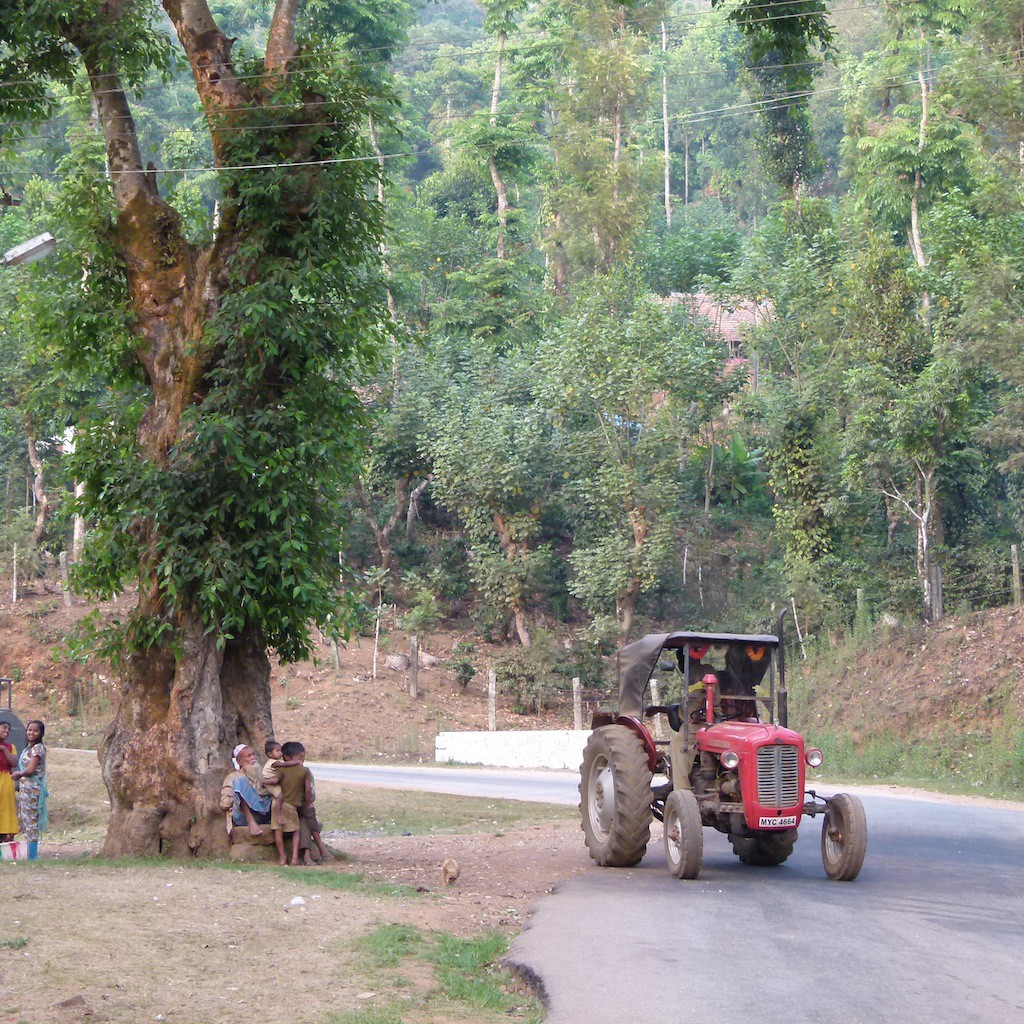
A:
630	722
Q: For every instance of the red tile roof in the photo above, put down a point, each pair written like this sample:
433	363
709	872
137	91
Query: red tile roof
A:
729	318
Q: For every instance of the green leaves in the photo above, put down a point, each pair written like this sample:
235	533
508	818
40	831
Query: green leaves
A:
782	35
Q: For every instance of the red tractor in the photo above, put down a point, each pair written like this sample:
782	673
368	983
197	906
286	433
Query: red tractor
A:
730	761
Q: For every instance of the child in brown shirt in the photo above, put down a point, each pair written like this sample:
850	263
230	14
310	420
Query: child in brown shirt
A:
295	780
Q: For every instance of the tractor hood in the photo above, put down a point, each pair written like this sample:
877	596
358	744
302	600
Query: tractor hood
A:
744	735
638	660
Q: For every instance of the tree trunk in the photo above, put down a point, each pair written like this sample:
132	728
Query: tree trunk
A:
496	178
413	510
916	246
686	169
664	122
165	755
382	534
625	601
392	306
924	550
513	550
189	694
38	490
625	606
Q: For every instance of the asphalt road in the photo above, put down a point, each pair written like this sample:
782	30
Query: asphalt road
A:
550	787
931	932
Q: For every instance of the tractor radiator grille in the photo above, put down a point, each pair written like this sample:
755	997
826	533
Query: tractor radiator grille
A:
778	776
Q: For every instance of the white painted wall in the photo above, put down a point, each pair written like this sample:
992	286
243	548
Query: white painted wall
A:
549	748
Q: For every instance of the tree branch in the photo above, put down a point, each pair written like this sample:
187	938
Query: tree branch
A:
281	40
209	55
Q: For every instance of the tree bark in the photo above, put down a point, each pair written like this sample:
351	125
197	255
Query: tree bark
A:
38	490
78	531
916	246
413	510
499	183
625	601
165	755
514	550
382	534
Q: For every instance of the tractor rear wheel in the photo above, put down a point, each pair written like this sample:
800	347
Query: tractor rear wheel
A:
684	834
844	837
615	797
765	850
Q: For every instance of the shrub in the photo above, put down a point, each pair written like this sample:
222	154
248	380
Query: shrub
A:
462	665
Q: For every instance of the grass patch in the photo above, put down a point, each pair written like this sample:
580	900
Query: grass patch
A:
371	1015
389	944
467	976
19	943
468	971
79	806
957	763
402	812
863	716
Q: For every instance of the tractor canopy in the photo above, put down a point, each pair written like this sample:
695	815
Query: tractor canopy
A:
747	658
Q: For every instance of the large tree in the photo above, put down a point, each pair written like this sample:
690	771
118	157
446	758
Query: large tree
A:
213	478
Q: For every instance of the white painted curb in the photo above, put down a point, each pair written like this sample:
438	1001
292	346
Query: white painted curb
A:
549	748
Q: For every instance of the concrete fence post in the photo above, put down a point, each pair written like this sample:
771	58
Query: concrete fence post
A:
656	699
414	666
492	700
577	704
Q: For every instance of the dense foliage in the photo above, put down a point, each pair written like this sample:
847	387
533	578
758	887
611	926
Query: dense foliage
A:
556	435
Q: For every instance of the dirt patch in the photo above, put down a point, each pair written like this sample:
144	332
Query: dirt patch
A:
203	944
500	876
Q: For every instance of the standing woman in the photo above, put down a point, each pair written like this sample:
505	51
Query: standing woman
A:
8	807
32	792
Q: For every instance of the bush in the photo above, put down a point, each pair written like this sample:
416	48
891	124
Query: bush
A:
423	613
524	682
462	665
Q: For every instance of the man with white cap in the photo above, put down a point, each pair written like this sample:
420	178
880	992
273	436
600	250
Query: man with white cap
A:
242	797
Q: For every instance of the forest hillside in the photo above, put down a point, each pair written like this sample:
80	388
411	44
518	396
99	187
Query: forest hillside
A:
523	328
941	703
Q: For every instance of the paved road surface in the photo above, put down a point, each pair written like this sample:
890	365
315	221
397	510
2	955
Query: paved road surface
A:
932	932
543	786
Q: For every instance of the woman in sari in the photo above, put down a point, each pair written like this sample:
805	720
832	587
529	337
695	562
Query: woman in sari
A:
8	806
32	792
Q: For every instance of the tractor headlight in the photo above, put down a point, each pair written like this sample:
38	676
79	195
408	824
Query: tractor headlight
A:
814	757
730	759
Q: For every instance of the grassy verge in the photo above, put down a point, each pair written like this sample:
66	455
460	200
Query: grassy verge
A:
959	764
846	702
79	806
466	974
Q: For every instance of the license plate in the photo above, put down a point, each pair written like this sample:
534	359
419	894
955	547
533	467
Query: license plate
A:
787	821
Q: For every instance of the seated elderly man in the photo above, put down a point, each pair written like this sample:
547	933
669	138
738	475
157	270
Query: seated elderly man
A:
242	796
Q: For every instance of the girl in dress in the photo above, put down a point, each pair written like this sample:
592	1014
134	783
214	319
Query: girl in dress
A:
32	792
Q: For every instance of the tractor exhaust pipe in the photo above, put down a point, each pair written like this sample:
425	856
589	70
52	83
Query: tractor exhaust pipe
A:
783	693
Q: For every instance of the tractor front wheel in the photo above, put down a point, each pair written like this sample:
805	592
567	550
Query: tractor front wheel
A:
844	837
765	850
684	834
615	797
